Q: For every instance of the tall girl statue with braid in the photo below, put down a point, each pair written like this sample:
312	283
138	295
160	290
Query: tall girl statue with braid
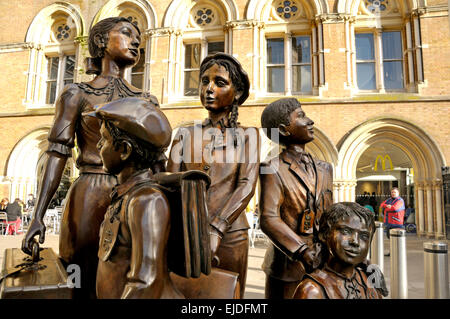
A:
228	153
114	46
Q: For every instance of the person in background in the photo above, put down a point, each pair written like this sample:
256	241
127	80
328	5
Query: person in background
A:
30	202
14	215
394	212
3	204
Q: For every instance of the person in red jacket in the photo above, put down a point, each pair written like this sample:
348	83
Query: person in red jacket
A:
394	211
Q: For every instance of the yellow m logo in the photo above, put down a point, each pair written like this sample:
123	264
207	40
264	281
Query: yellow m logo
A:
383	162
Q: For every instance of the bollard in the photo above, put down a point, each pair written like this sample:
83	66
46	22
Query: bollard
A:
399	276
436	270
377	247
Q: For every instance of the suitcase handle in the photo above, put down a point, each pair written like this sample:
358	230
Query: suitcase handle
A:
35	251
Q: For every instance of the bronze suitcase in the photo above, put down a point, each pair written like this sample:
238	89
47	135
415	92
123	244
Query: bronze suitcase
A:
38	277
219	284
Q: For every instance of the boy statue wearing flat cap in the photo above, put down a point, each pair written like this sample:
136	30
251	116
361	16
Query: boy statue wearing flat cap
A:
134	234
292	198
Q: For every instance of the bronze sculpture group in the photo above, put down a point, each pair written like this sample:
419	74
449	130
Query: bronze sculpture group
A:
117	219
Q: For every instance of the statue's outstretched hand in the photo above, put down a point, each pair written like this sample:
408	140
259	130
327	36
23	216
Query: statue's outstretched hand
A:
37	227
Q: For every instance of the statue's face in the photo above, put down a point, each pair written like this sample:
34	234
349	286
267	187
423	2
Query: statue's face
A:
300	128
123	43
112	162
349	240
217	92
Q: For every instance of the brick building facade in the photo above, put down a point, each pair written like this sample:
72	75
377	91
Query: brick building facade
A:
372	74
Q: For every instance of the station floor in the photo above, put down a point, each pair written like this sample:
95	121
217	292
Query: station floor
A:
256	277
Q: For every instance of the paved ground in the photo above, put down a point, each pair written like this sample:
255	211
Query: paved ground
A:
256	278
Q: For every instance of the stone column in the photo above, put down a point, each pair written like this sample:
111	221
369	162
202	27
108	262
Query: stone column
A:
379	60
437	188
338	194
429	209
321	52
31	71
315	59
147	62
420	213
288	63
410	57
38	80
418	43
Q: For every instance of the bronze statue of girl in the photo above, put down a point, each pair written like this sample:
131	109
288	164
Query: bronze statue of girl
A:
224	85
114	46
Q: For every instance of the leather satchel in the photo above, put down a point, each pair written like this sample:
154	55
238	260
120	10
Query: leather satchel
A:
189	252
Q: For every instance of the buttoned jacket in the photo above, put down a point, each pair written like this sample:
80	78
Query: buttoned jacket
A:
285	208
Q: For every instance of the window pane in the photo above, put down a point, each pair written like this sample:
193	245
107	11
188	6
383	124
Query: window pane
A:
392	45
69	67
139	67
393	75
51	92
191	83
53	68
137	79
192	56
137	72
214	47
275	51
301	77
364	46
365	74
301	50
275	79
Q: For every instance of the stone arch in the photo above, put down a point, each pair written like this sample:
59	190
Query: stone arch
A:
257	9
351	6
177	14
23	161
426	157
110	9
39	29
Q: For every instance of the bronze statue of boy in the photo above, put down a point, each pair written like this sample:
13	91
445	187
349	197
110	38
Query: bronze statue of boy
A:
134	233
293	196
346	230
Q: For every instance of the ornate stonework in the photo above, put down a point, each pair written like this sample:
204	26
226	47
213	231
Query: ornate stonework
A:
287	11
379	7
62	31
204	15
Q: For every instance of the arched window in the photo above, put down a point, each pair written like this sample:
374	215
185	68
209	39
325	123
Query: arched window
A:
203	36
291	47
387	47
51	39
289	55
59	58
142	14
136	75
